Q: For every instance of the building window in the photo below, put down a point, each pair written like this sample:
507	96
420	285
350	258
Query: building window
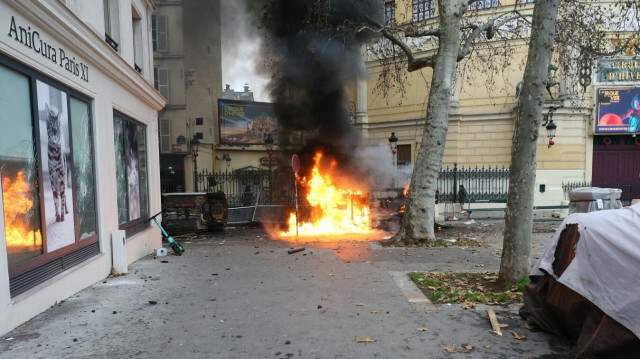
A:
137	40
484	4
526	1
48	176
165	135
161	81
390	13
423	9
404	155
19	169
111	23
131	173
159	33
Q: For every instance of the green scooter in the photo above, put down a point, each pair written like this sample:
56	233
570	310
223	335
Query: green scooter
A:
178	249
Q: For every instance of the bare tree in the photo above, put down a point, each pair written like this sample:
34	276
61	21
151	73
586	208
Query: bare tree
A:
516	247
455	39
584	29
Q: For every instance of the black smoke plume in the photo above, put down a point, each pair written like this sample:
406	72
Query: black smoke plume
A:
311	52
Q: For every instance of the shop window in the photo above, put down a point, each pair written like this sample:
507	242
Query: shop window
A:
423	9
19	169
111	23
131	174
83	168
161	81
159	33
48	176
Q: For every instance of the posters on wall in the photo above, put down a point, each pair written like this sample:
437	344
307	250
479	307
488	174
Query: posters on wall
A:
56	183
132	161
249	123
618	110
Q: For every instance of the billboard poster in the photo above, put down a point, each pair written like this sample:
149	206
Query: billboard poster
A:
56	166
618	110
249	123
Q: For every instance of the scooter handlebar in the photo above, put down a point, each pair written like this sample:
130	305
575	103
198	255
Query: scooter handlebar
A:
156	215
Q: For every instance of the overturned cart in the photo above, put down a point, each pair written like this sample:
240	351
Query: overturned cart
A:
586	286
194	211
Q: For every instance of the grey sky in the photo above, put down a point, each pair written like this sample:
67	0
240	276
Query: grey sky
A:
240	50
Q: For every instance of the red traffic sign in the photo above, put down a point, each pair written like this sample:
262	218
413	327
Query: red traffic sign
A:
295	163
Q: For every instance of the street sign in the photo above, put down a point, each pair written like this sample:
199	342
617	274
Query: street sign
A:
295	163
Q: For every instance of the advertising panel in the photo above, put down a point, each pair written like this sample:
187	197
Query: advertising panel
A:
618	110
249	123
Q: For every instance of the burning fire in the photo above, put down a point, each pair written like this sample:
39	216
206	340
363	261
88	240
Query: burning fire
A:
17	201
334	210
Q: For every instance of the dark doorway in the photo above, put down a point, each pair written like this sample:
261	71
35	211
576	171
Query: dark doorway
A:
616	164
172	173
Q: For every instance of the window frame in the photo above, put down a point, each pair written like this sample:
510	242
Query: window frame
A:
136	225
428	12
33	76
159	33
111	12
491	4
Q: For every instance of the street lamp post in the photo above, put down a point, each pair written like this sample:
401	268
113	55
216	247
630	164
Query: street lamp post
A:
268	143
194	152
393	144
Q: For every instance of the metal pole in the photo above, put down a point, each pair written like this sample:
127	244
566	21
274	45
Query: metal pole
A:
270	188
195	173
296	186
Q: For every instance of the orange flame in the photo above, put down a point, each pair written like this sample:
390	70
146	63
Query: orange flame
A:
16	196
335	210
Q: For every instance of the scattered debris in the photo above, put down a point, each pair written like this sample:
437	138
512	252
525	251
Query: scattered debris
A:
153	302
365	340
296	250
467	348
449	350
422	329
518	336
494	322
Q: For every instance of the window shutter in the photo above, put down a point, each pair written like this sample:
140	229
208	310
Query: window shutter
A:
165	135
163	83
161	33
154	32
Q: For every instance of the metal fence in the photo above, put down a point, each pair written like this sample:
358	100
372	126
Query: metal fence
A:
486	184
258	186
630	191
250	187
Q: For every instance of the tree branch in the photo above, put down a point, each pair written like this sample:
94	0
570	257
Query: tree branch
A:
488	27
413	64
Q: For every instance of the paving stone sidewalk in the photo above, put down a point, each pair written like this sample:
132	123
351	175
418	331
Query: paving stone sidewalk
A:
241	294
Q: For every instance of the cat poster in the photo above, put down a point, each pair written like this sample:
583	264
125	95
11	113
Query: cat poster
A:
56	182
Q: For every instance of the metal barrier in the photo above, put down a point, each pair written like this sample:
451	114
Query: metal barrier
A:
255	186
482	184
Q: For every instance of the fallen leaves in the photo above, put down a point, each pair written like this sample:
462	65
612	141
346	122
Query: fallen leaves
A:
465	288
422	329
518	336
365	340
465	349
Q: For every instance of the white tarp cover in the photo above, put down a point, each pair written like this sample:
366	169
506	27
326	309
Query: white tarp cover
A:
606	267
